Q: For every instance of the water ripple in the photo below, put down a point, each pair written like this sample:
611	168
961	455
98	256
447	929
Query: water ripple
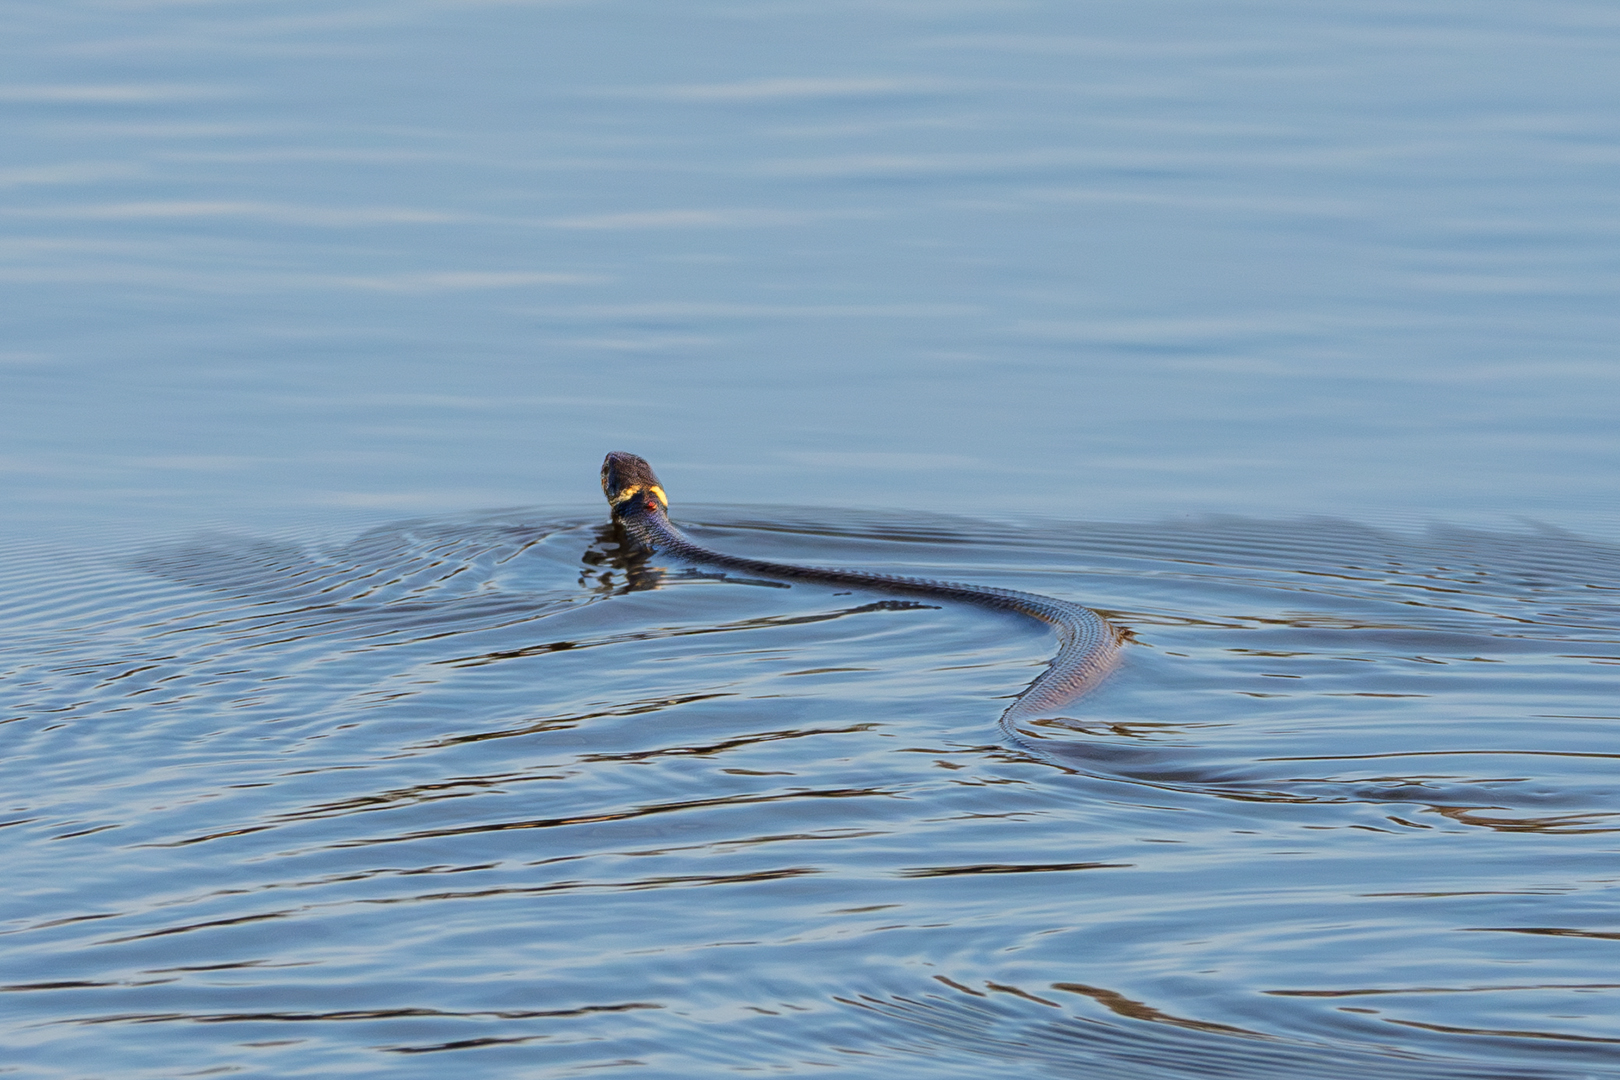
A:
451	777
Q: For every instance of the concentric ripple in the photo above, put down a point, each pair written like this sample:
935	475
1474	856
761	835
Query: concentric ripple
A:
484	787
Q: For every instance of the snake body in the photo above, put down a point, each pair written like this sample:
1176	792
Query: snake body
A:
1089	644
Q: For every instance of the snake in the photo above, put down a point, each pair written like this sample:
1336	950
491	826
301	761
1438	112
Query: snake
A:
1089	646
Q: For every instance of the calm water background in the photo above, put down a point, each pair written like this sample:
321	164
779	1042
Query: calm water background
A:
1282	333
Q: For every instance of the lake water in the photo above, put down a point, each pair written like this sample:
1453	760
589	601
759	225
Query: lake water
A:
341	739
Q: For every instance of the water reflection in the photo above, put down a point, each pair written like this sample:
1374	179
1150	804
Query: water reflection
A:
454	778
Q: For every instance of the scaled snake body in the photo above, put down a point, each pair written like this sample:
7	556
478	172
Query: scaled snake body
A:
1089	649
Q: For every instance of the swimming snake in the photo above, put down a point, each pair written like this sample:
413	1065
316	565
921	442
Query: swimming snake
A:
1089	644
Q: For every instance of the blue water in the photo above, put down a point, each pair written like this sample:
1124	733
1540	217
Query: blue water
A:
339	739
1105	262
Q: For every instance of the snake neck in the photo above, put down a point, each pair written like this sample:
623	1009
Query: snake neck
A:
652	531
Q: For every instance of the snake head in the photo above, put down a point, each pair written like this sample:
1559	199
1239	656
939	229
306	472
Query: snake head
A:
630	484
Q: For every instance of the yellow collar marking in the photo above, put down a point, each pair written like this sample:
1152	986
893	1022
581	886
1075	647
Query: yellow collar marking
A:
634	490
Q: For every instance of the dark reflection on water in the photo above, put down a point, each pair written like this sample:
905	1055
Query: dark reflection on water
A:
487	788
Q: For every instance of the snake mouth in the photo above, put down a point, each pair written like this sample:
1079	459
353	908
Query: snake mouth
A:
625	476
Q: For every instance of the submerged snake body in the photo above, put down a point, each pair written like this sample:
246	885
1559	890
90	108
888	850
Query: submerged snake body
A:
1089	645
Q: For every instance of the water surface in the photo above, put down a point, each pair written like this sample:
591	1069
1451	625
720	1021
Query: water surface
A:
484	787
269	261
1282	333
